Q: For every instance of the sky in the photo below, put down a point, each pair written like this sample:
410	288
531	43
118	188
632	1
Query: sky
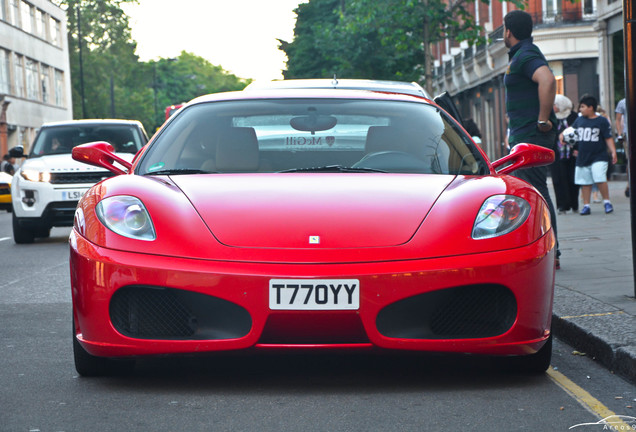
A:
238	35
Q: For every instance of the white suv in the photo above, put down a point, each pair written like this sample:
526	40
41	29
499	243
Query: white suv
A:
48	185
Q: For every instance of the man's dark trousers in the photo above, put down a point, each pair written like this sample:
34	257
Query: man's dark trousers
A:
538	176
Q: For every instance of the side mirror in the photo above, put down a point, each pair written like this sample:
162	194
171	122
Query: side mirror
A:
524	156
100	154
16	152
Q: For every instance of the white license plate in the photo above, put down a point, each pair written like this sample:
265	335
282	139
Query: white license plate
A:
73	195
314	294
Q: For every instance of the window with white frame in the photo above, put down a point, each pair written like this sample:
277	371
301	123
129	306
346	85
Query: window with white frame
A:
5	77
33	88
18	73
552	10
43	17
45	83
27	22
39	27
59	88
14	12
55	31
589	8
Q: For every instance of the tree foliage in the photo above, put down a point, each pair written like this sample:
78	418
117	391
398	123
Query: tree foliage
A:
389	39
108	79
308	56
176	80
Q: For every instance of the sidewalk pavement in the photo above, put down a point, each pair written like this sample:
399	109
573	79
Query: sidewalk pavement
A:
594	304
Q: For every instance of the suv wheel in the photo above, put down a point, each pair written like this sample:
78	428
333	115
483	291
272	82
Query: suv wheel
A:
43	232
21	235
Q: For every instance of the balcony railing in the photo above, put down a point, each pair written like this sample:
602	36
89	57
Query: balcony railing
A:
568	17
543	19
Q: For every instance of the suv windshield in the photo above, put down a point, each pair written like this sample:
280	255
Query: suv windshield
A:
61	139
312	135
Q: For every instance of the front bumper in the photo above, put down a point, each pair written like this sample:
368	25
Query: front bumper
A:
46	204
219	305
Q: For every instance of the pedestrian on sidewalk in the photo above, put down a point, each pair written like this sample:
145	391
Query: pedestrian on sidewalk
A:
562	170
621	130
530	91
596	149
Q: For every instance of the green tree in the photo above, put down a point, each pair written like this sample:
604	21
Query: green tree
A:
108	80
389	39
307	56
102	55
183	78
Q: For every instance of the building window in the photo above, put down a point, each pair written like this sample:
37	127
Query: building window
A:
14	10
3	10
18	68
589	8
5	83
56	31
23	137
40	24
31	68
59	88
552	10
27	23
45	82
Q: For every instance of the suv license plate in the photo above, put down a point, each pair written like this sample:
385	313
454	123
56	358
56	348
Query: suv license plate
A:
314	294
73	195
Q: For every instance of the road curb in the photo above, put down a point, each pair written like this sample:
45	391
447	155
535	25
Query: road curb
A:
597	329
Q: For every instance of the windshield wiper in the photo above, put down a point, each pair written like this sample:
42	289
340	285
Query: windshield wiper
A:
332	168
176	171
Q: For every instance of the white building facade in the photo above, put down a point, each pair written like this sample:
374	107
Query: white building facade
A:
35	78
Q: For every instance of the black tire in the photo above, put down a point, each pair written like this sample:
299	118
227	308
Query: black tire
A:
43	232
91	366
536	363
21	235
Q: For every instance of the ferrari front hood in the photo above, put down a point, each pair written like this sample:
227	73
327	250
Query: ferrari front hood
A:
288	210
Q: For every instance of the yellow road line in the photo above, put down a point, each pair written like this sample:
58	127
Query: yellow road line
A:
588	401
593	315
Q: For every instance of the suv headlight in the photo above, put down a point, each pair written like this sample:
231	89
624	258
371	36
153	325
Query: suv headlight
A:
126	216
499	215
35	175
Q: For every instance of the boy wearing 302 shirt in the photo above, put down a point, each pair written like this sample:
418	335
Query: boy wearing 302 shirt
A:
595	150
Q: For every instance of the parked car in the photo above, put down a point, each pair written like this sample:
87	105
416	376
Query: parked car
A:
5	191
444	100
411	88
49	183
313	219
171	109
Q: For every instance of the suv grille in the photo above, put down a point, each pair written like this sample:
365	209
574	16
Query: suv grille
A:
81	177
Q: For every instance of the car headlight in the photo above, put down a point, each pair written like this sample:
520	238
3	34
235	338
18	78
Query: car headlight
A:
35	175
499	215
126	216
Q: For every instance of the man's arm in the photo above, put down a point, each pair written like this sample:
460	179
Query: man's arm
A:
612	149
619	123
544	77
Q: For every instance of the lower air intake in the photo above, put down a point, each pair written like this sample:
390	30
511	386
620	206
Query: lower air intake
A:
467	312
143	312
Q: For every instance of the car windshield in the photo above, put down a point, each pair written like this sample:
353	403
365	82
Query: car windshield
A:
61	139
312	135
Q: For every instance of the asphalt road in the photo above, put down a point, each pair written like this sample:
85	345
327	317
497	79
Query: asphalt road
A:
40	390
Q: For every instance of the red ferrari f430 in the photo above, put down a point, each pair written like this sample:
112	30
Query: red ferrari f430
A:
315	219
